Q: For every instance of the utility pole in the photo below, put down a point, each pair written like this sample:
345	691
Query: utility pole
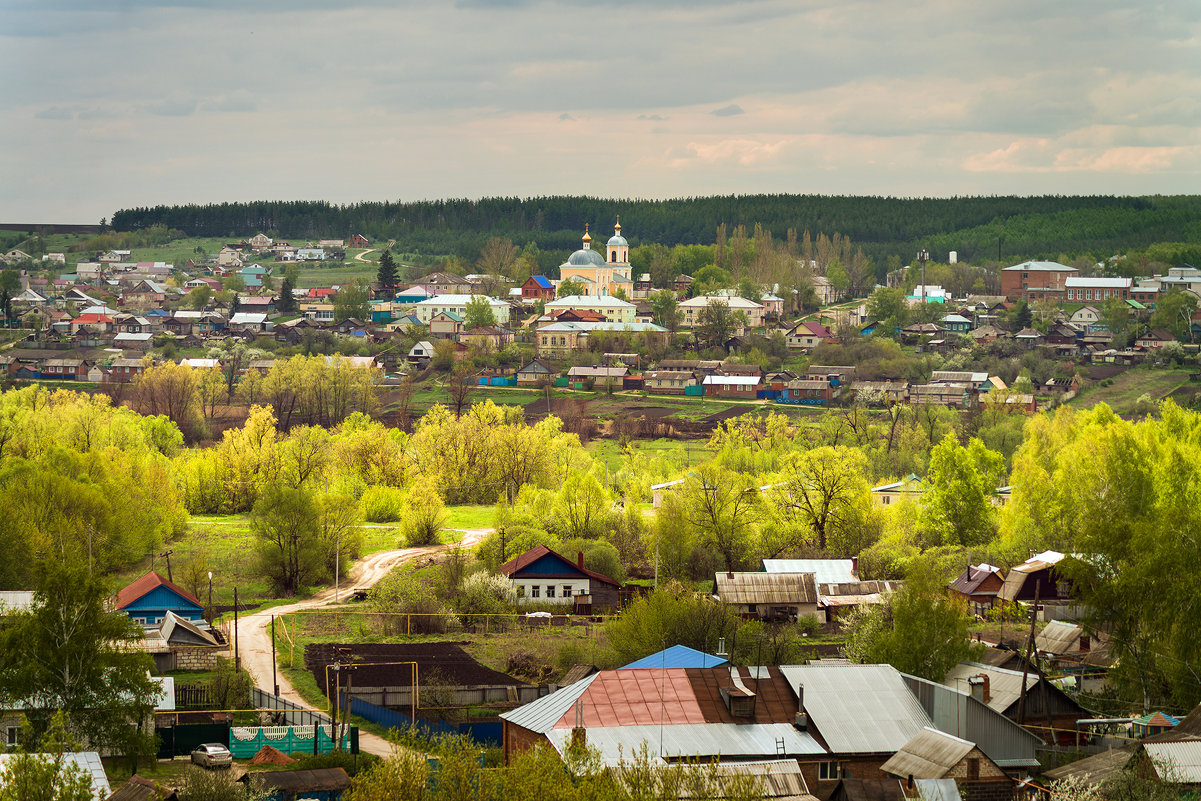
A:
923	256
1029	654
237	661
274	675
165	553
210	609
502	545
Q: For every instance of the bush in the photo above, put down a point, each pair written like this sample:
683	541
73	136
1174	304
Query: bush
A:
383	504
336	759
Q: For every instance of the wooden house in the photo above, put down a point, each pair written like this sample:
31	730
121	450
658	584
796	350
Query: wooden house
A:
541	576
978	587
769	596
150	598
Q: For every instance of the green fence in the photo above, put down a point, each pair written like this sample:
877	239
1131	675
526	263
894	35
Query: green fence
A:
246	741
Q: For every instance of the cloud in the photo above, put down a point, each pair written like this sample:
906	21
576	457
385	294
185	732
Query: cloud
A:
652	117
565	117
55	113
238	101
174	106
744	152
728	111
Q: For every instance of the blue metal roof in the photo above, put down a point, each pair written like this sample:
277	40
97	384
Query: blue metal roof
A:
541	281
677	656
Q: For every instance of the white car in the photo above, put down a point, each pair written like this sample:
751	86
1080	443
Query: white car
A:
212	755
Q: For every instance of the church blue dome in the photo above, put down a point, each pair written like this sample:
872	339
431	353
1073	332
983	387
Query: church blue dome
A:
618	241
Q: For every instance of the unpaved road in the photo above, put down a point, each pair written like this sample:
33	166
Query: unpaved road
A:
254	630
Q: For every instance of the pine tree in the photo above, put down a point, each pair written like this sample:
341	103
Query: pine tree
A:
387	271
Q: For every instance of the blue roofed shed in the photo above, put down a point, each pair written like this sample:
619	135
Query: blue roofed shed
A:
677	656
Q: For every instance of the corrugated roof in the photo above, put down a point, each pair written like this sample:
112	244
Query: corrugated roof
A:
15	600
781	778
677	656
969	581
541	716
825	571
766	588
937	790
1004	686
733	380
858	708
1176	761
88	761
1058	638
728	740
929	754
1094	769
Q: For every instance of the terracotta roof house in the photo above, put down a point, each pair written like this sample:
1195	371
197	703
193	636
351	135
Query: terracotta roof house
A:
542	576
150	598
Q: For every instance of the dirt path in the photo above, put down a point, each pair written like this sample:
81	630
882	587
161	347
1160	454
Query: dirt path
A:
254	630
359	256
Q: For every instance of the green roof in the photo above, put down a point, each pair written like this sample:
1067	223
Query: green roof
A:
1134	304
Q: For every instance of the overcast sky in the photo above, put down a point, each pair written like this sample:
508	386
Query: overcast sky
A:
107	104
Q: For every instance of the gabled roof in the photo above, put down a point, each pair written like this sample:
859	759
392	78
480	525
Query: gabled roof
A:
766	588
148	582
930	754
538	552
173	622
970	580
825	571
542	281
1059	638
858	709
677	656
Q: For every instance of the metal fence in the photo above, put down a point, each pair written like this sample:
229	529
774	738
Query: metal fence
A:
246	741
285	712
487	733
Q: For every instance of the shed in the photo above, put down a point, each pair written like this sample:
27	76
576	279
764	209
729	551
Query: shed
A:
319	784
769	596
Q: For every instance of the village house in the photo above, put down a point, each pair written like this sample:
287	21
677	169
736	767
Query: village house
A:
541	576
1036	280
441	283
669	382
911	487
691	309
808	392
537	287
1154	339
768	596
534	373
561	338
148	600
446	325
610	309
807	336
732	386
426	309
1049	713
978	586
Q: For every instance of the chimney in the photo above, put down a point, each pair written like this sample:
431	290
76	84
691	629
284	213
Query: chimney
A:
982	681
579	560
579	738
855	566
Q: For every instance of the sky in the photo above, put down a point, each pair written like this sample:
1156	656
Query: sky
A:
107	104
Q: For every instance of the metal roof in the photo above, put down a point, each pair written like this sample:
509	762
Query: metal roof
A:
541	716
953	710
1094	769
1005	686
693	739
825	571
1178	762
1058	638
929	754
1037	266
15	600
88	761
588	301
766	588
677	656
1105	283
858	709
733	380
937	790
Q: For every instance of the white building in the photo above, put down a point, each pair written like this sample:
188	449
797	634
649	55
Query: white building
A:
692	307
457	304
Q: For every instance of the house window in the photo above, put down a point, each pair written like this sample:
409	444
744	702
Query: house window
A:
566	590
11	734
827	771
550	590
535	590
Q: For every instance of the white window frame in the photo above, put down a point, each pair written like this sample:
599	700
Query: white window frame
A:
828	771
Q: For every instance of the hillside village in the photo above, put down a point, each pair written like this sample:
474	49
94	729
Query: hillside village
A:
110	317
804	606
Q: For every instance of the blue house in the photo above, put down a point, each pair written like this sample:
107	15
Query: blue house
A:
150	598
677	656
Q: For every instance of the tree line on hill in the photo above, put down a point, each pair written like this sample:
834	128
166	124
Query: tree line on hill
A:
1008	227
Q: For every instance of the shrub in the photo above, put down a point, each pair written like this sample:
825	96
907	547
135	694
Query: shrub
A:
383	504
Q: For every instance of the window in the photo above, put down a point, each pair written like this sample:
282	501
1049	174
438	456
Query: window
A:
567	591
973	768
534	590
550	590
827	771
11	734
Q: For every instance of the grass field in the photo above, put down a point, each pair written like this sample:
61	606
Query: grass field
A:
1122	396
684	452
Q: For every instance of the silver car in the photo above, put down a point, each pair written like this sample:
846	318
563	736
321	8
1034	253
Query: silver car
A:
212	755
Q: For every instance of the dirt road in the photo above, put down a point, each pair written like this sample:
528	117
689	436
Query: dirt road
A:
254	630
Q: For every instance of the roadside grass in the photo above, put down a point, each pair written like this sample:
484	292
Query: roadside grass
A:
1123	394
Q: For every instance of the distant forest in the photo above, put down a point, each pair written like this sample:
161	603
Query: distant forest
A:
1005	229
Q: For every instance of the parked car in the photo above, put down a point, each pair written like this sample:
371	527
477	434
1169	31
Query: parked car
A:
212	755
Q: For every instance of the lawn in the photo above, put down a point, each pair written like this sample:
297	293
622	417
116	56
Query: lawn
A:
1123	394
683	452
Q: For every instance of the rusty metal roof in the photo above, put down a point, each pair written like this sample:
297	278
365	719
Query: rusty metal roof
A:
725	740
